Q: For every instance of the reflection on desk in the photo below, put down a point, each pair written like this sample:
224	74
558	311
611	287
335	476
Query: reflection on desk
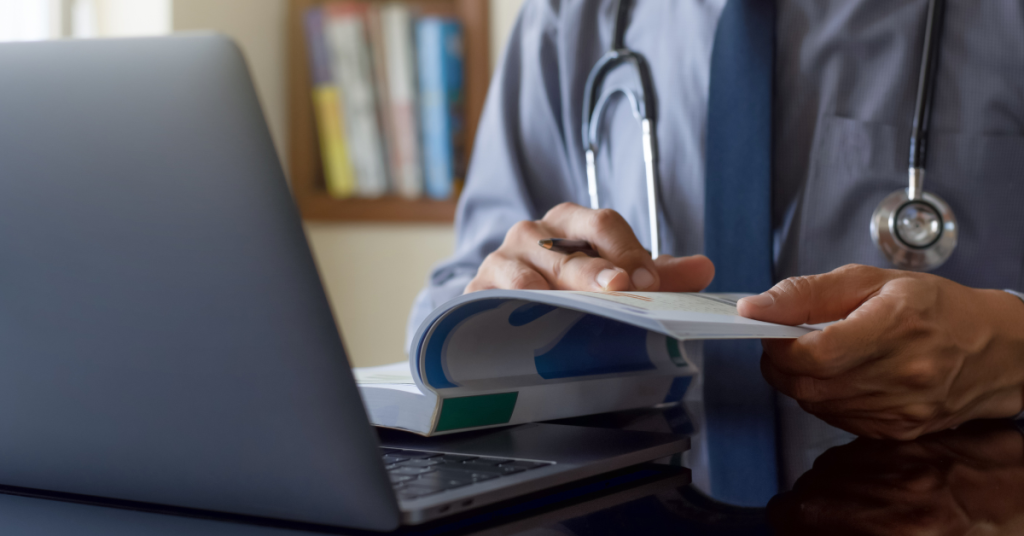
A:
964	481
967	481
24	511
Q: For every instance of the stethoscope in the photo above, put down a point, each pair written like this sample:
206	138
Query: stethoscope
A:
644	111
914	229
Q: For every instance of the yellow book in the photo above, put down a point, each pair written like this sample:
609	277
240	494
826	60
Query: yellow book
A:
338	171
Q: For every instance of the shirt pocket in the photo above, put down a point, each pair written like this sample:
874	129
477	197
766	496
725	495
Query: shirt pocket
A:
854	165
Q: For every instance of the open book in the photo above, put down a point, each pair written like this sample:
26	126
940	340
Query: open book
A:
501	357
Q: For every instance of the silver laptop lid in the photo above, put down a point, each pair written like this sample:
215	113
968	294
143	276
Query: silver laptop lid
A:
164	336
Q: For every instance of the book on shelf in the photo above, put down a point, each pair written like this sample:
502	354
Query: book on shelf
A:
440	58
375	41
351	69
393	83
399	66
339	176
503	357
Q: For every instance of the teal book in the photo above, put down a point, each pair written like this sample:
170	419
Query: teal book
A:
439	58
503	357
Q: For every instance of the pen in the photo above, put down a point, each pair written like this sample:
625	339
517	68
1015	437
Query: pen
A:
567	246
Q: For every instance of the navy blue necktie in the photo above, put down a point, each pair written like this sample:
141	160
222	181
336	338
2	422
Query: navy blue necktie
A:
739	405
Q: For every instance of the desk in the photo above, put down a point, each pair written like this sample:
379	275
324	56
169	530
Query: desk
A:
941	484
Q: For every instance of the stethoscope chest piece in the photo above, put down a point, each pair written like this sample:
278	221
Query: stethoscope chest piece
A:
915	229
917	233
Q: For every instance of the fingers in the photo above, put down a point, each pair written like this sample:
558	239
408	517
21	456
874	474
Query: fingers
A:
855	396
497	271
903	360
623	265
846	360
684	274
866	334
610	234
562	272
807	388
519	263
816	298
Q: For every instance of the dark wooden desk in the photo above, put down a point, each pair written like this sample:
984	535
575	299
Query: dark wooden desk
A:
945	483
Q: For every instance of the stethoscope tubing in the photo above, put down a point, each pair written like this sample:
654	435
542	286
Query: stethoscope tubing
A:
642	105
884	229
915	229
926	84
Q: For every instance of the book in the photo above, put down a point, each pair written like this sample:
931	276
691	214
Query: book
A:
351	69
339	176
400	95
439	58
375	39
503	357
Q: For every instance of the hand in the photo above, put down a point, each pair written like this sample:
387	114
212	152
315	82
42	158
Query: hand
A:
623	265
964	481
916	353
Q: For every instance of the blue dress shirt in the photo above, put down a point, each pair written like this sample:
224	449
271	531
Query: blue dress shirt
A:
845	76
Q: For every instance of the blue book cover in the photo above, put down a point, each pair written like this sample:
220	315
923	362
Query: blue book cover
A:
439	58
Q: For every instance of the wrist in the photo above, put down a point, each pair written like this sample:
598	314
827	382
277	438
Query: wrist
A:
1006	311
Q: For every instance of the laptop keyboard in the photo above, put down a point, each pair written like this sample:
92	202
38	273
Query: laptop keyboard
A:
417	473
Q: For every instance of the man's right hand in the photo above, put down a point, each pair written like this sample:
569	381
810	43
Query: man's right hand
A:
623	265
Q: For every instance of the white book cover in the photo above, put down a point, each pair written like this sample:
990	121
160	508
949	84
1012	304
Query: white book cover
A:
400	68
344	29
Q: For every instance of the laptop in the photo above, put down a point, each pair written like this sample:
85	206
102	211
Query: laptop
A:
164	335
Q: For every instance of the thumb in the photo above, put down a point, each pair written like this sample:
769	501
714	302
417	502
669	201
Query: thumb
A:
815	298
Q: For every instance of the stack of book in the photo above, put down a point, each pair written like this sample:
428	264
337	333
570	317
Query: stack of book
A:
388	98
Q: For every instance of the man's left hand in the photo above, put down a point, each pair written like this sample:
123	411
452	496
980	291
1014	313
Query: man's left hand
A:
911	354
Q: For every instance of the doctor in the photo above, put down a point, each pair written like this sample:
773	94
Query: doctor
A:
781	131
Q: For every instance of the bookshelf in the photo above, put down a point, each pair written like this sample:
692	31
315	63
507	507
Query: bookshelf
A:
304	153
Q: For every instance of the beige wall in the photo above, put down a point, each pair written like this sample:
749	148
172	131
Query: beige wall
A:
259	28
371	288
372	273
503	16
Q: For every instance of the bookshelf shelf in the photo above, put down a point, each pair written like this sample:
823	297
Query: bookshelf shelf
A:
383	209
304	153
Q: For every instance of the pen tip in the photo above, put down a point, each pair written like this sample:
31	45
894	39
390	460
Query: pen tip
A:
547	243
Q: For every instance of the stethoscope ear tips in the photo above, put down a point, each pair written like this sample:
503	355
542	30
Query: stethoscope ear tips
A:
914	234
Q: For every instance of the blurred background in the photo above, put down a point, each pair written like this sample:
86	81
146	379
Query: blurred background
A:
371	288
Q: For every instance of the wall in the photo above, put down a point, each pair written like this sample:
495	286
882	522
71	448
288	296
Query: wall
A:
371	287
259	28
503	16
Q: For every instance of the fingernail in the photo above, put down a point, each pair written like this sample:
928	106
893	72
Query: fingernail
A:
604	277
642	279
760	301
